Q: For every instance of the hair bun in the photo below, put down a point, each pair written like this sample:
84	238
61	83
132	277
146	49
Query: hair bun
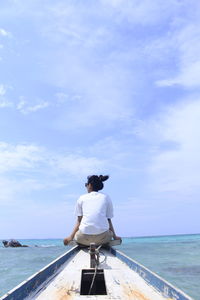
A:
103	178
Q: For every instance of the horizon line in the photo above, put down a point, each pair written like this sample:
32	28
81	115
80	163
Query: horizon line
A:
144	236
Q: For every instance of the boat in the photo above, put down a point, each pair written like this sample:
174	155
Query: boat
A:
95	273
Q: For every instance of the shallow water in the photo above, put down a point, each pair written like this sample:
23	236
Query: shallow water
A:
175	258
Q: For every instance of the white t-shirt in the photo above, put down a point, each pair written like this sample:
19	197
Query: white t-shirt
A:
95	208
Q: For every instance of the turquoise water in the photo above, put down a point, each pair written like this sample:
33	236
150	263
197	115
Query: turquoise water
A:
175	258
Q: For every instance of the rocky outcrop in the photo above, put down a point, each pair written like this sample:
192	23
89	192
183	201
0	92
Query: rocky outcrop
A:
12	243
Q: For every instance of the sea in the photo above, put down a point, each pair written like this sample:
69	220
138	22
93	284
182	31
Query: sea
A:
175	258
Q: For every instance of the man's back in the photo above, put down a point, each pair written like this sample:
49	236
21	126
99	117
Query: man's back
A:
95	208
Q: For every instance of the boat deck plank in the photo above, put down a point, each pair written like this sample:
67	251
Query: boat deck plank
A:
121	281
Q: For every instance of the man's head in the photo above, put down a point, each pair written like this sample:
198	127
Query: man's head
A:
95	182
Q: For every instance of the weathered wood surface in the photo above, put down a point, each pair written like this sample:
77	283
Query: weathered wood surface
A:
121	281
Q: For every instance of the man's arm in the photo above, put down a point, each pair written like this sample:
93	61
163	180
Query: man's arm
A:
76	228
112	229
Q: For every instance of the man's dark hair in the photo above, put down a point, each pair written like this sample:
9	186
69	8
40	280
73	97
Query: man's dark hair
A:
97	181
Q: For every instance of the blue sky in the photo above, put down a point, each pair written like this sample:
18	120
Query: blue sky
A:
99	87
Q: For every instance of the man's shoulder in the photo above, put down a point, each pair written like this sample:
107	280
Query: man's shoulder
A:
83	196
93	194
104	196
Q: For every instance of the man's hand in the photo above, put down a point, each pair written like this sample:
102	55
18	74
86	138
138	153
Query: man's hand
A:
67	240
115	237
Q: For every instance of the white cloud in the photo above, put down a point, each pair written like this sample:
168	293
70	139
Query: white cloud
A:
79	165
25	108
14	191
178	170
36	107
2	90
21	104
105	97
62	97
116	153
186	45
96	64
3	101
143	12
24	157
19	157
4	33
89	60
188	77
85	60
34	186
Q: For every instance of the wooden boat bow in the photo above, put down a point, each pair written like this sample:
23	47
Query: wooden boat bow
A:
124	278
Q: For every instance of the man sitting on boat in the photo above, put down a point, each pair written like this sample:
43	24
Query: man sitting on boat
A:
94	211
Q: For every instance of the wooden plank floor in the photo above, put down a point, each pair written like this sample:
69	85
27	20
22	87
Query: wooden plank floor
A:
121	281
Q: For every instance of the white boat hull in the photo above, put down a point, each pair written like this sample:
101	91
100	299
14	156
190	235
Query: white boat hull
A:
124	279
